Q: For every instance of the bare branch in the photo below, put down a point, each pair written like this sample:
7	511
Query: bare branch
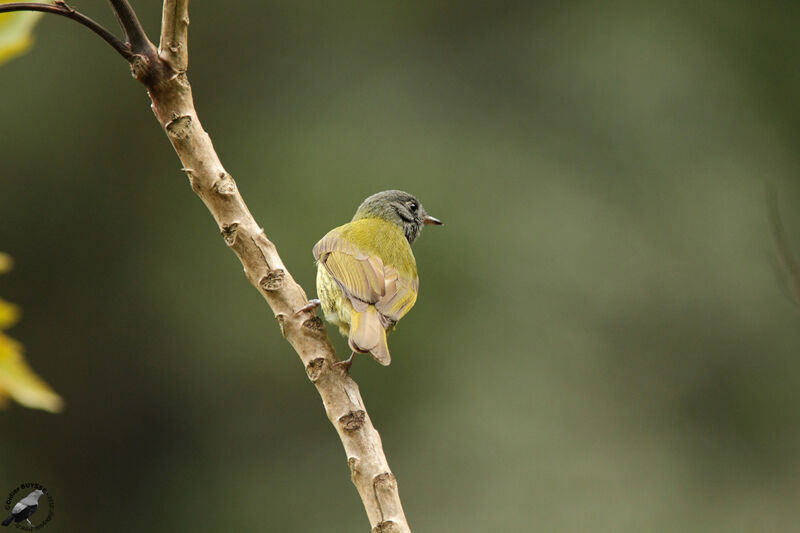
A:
60	8
163	73
134	32
787	264
173	106
173	47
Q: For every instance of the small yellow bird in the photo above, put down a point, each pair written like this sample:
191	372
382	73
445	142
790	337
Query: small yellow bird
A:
366	273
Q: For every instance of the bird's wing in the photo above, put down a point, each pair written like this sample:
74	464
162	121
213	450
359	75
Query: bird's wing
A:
400	294
18	508
358	274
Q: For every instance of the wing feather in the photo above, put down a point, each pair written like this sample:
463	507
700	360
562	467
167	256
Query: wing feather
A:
360	276
366	280
399	296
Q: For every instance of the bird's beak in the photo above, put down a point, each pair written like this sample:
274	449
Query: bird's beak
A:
430	220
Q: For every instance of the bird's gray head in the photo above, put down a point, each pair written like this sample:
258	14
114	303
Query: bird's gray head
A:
35	494
399	208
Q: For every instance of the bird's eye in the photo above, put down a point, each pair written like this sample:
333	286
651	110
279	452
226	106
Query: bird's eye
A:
413	206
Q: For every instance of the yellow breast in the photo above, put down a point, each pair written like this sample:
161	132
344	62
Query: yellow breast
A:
335	305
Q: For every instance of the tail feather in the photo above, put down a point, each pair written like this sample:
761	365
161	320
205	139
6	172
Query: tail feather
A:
367	335
8	520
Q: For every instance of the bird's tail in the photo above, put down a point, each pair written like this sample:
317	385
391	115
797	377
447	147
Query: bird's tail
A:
8	520
367	335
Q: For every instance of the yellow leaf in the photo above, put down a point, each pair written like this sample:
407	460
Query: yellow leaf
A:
5	263
16	32
17	380
9	314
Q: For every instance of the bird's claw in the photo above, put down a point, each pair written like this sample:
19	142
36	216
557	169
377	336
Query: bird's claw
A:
310	306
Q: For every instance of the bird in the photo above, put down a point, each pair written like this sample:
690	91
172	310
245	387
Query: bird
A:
366	272
24	508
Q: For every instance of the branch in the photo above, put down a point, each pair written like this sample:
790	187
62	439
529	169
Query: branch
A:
61	8
171	94
134	32
174	34
174	109
163	72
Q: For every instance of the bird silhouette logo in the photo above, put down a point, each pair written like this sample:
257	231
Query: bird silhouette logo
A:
25	508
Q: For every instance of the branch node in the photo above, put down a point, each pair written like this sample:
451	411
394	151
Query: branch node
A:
63	5
385	482
229	232
314	324
225	185
140	67
353	421
178	128
314	368
386	526
274	280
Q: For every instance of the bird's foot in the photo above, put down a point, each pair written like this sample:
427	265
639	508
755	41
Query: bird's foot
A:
345	365
310	306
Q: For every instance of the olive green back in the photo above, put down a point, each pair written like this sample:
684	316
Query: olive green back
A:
375	236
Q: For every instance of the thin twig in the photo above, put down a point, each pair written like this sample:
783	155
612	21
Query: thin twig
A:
134	33
60	8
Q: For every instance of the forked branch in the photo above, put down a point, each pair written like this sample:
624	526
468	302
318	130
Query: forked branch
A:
62	9
163	72
134	33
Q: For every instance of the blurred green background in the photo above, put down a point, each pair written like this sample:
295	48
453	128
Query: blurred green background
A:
600	342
